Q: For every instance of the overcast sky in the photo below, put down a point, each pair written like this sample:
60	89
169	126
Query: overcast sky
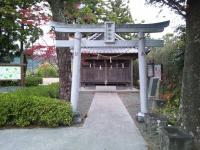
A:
152	14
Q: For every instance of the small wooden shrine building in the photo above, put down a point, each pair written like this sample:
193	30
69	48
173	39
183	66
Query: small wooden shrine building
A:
107	66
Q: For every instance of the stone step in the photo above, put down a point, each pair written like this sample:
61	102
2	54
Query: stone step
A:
106	88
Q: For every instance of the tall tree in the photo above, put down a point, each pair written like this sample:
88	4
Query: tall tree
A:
69	11
63	54
8	31
19	21
91	11
118	11
190	103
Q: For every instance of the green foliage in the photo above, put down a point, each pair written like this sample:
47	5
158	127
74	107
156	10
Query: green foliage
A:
41	91
12	28
95	11
91	12
33	81
8	33
171	56
171	111
172	108
9	83
119	12
47	70
22	110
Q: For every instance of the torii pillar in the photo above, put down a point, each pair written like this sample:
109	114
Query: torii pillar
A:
142	74
76	71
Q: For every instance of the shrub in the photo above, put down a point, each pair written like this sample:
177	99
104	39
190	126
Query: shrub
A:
9	83
42	90
21	110
171	111
33	81
47	70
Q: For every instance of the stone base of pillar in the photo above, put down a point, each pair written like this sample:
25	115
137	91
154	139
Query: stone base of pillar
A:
140	117
77	118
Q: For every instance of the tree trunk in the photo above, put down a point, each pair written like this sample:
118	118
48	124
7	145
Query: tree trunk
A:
63	54
190	105
64	65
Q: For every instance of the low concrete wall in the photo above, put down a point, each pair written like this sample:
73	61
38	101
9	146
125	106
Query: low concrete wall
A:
47	81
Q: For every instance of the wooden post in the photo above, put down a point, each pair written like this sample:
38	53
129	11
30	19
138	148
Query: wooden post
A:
131	64
76	72
106	72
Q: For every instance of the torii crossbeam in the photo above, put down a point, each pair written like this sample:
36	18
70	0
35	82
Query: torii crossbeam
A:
110	29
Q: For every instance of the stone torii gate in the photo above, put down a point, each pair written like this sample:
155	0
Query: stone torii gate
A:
109	29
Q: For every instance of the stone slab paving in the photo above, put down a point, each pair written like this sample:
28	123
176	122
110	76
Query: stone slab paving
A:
109	89
108	127
105	88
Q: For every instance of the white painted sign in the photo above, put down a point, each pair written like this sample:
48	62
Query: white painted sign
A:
158	71
10	73
109	32
150	70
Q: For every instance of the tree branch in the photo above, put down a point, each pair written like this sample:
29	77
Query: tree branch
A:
178	5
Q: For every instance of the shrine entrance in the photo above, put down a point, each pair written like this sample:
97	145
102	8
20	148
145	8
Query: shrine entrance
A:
105	72
109	30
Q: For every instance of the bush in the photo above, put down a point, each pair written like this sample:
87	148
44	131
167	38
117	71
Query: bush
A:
9	83
47	70
33	81
42	90
21	110
171	111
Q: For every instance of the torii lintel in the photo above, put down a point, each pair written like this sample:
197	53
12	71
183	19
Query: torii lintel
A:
100	28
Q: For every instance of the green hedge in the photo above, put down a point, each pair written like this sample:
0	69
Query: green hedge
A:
42	90
33	81
22	110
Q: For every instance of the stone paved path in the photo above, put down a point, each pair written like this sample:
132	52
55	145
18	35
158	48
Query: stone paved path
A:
108	127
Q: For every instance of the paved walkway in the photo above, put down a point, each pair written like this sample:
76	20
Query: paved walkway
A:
108	127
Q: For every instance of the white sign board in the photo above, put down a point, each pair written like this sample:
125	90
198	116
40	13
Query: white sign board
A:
150	70
10	73
158	71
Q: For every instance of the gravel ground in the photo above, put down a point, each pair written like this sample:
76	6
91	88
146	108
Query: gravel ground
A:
131	102
85	100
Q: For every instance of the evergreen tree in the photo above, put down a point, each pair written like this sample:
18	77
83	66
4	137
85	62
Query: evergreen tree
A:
118	11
